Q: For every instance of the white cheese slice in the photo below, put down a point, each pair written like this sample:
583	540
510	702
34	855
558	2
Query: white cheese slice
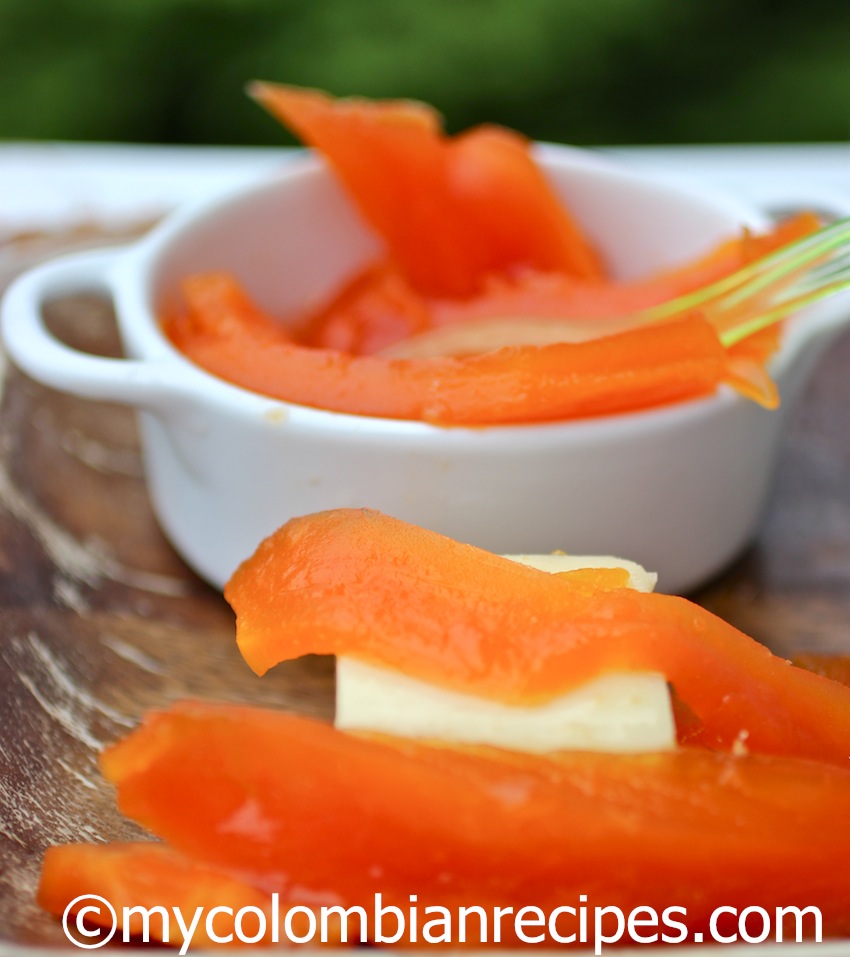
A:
616	712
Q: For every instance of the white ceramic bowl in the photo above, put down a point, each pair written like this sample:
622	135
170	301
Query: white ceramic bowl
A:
679	488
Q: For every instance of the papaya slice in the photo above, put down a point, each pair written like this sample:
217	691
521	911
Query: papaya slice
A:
450	211
359	583
147	875
834	667
370	313
364	302
222	331
291	803
473	230
553	295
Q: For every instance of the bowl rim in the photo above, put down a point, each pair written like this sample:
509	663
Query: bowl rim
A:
131	281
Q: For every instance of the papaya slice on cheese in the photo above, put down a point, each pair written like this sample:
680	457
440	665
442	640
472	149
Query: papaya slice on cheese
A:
359	583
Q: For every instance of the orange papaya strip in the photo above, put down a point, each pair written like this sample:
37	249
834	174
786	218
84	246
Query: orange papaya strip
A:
729	256
604	578
746	371
636	369
220	306
370	299
834	667
359	583
449	210
374	310
505	197
148	876
292	803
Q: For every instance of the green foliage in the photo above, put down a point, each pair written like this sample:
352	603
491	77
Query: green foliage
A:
581	71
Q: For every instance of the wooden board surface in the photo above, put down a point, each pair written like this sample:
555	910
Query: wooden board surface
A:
100	620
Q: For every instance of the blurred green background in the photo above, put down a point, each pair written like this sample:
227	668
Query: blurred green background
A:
581	71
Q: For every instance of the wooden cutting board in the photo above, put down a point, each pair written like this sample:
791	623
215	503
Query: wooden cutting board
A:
100	620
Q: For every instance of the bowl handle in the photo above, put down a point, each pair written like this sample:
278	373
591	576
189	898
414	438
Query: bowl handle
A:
825	201
823	322
48	360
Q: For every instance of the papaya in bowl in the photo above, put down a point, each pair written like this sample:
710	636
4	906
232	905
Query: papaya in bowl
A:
678	484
